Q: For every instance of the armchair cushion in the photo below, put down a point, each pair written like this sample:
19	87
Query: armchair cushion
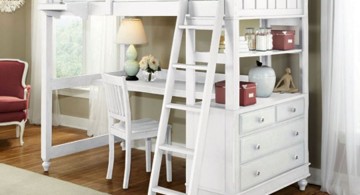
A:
12	116
12	104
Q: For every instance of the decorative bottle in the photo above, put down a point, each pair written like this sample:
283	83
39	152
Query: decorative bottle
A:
261	40
250	38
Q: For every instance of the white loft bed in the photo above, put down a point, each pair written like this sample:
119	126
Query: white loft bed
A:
234	10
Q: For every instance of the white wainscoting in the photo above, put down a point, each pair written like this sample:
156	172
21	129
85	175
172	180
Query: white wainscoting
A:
74	122
315	177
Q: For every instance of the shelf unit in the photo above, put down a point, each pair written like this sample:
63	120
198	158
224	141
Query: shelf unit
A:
261	148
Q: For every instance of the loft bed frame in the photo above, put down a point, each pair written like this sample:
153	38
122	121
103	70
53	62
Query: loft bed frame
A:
235	10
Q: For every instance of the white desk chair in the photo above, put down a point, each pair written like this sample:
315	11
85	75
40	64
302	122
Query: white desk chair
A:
121	125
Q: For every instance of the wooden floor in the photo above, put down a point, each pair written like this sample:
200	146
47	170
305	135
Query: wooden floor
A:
89	168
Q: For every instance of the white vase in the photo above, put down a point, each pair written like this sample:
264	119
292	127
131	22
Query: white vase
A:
264	77
148	76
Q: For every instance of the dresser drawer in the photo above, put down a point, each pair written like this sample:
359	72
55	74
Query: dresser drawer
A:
257	119
276	138
290	109
270	166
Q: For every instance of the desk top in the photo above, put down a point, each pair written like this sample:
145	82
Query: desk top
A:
158	87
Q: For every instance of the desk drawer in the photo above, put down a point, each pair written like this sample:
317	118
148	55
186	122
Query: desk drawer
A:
257	119
270	166
265	142
290	109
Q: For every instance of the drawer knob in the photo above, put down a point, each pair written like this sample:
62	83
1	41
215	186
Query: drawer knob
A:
296	157
257	173
297	133
293	109
257	147
261	119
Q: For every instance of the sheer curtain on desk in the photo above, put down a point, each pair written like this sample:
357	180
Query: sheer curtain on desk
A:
340	63
102	55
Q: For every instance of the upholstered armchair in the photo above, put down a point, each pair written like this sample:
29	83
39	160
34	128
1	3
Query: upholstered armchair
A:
14	95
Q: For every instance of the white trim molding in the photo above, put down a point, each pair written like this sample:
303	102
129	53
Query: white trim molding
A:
315	177
74	122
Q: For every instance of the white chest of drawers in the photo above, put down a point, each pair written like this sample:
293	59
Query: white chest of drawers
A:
257	150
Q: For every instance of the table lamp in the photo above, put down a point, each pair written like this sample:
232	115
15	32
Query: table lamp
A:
131	32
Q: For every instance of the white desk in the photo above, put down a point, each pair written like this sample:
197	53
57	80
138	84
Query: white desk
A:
156	87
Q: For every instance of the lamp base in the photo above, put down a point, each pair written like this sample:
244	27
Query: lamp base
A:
132	78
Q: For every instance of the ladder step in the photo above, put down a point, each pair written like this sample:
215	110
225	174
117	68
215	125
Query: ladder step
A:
189	17
162	190
197	27
177	149
184	107
191	66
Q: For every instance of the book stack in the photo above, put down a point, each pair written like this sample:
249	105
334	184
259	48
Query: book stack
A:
243	44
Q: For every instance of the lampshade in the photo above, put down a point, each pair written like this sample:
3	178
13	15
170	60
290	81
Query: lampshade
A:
131	31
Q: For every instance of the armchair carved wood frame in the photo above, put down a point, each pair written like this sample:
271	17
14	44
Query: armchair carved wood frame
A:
14	95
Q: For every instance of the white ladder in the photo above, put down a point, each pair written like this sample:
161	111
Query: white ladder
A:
188	23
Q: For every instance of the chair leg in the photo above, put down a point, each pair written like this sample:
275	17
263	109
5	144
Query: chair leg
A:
17	131
148	154
168	156
22	128
111	157
127	164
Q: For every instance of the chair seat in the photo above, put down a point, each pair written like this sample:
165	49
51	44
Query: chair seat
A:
139	126
12	116
11	104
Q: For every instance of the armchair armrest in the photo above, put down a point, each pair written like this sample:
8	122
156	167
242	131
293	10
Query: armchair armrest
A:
27	91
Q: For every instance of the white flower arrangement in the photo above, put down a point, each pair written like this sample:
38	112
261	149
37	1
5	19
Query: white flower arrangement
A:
10	5
150	64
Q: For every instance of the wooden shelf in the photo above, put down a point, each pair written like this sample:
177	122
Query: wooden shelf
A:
268	53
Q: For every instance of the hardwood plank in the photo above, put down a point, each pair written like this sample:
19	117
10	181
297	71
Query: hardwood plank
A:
89	168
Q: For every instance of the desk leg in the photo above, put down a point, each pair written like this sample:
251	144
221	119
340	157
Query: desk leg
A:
46	95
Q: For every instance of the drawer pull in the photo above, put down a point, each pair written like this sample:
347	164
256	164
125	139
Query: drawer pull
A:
261	119
293	110
257	173
257	147
296	133
296	157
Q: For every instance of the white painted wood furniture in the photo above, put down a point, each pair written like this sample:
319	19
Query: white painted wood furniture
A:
241	156
120	125
261	148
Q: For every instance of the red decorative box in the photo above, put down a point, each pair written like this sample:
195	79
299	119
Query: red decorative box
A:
247	93
283	39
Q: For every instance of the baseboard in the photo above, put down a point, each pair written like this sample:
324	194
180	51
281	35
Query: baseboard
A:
315	177
74	122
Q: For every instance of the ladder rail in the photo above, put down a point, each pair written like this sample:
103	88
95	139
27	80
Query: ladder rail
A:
204	109
165	112
206	101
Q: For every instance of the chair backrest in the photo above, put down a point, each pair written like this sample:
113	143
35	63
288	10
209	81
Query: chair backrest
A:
117	97
12	77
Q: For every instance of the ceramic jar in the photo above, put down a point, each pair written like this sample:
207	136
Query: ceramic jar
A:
264	77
